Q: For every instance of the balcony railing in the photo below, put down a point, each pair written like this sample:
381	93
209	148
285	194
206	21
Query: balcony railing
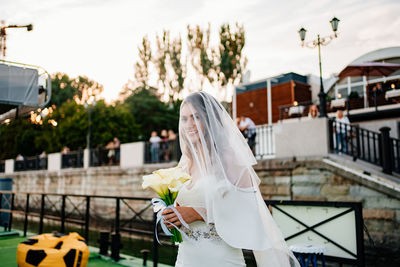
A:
73	159
31	163
104	157
377	148
167	151
2	166
265	142
294	111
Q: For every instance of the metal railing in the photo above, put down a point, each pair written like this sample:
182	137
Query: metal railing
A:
134	215
299	110
130	215
265	142
104	157
166	151
73	159
2	166
31	163
377	148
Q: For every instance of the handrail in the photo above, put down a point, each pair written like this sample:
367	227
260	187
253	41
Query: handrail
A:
79	214
377	148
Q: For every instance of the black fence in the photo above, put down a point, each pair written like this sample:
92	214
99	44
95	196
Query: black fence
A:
301	109
133	215
2	166
166	151
31	163
129	215
73	159
104	157
376	148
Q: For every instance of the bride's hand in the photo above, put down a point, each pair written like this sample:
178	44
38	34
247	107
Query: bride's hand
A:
188	214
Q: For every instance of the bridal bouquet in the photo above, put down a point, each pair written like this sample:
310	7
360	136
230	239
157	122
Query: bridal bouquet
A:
166	183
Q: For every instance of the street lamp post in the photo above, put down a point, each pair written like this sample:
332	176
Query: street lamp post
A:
317	43
89	105
3	35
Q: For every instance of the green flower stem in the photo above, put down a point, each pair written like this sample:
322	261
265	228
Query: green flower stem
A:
169	200
177	237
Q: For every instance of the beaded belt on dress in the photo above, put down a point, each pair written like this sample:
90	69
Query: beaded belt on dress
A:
207	232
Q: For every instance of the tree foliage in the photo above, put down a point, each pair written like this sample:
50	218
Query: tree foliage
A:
142	66
79	89
150	113
221	64
26	137
202	55
62	89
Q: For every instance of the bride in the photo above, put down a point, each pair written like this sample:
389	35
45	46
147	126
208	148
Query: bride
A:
222	204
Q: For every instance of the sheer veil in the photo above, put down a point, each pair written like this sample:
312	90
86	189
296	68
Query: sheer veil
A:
215	153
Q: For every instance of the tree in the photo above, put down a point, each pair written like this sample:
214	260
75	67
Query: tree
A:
79	89
222	66
161	59
86	88
150	113
179	68
202	56
231	61
26	137
142	66
61	89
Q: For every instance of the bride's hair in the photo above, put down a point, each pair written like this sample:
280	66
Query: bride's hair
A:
197	101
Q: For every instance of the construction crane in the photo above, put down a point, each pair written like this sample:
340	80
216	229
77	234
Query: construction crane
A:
3	35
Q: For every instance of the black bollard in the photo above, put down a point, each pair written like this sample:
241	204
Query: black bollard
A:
103	242
386	150
115	246
145	253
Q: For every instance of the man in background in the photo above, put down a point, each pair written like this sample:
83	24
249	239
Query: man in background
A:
247	125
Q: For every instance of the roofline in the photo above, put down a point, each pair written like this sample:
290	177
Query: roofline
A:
266	79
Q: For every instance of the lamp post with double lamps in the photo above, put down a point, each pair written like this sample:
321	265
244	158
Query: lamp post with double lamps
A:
317	43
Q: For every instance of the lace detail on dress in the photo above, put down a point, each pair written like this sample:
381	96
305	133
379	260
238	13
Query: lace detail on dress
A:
206	232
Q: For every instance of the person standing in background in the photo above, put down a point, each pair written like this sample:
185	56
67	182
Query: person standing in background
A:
117	144
343	124
164	146
171	135
154	146
246	124
313	112
43	160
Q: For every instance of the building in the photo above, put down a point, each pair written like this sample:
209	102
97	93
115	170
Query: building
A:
286	90
369	105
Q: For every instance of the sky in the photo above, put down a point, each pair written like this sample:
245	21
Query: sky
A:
99	38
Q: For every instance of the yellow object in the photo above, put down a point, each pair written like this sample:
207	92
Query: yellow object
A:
53	250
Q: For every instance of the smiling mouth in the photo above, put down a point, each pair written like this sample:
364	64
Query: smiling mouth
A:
192	132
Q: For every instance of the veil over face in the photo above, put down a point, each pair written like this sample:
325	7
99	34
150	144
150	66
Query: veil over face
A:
215	154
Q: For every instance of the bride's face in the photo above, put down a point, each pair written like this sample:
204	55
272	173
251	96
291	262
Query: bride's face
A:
190	121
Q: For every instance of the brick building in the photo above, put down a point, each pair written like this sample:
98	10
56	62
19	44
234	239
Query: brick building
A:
285	89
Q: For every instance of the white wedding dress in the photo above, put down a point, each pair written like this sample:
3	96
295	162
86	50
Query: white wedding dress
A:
204	247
